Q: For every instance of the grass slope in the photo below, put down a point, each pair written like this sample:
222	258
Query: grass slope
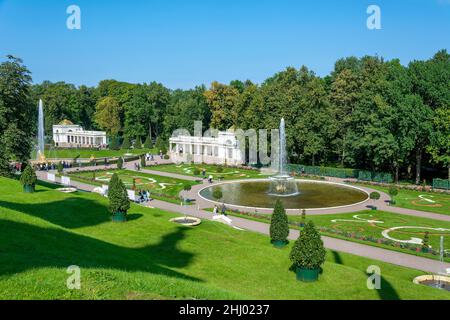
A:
150	258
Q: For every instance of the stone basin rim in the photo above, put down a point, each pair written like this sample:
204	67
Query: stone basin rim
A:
287	210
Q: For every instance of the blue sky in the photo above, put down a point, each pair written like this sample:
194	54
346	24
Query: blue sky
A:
183	43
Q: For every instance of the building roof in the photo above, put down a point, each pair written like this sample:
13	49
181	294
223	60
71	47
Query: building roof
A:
66	122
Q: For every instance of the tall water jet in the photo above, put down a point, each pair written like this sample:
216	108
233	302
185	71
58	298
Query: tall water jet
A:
282	184
40	156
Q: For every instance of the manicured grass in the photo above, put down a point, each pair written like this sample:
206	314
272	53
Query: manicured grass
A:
410	199
41	234
228	173
164	188
87	154
374	230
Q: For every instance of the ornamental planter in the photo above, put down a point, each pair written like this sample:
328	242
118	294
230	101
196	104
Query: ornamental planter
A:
279	244
307	275
28	188
119	217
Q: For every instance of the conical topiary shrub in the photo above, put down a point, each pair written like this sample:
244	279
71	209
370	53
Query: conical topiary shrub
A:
148	142
126	144
138	143
28	179
308	254
118	199
279	226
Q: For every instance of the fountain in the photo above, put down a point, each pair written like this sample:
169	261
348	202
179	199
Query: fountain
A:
282	184
40	156
256	194
441	281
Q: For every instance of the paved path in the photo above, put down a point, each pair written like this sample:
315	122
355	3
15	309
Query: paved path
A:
397	258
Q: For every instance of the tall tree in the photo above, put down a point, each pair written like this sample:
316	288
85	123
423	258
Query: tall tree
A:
17	114
107	115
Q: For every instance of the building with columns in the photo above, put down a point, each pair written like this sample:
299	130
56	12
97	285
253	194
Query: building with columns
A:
223	149
69	135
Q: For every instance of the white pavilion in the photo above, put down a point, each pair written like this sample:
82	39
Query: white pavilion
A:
69	135
223	149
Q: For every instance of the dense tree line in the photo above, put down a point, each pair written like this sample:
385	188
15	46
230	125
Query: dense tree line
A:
368	113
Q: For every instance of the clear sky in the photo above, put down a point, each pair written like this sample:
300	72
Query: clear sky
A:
183	43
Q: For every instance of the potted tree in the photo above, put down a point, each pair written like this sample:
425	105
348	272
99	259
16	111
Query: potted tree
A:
28	179
308	254
426	242
375	196
393	191
279	226
303	221
120	163
118	199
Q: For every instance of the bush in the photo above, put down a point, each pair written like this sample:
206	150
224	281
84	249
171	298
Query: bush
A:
219	169
308	251
166	157
279	224
120	163
217	194
187	187
148	143
28	177
426	241
114	143
196	172
118	196
375	196
143	163
60	167
138	143
393	191
161	144
126	144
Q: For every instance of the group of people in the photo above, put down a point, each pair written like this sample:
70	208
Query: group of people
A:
149	157
143	196
223	210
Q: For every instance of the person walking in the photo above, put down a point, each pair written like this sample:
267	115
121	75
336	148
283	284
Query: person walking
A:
215	211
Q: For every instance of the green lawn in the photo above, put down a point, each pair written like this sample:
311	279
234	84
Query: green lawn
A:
356	223
150	258
227	173
423	201
164	188
86	154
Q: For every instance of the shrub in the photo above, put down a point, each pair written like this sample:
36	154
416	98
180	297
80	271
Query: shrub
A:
219	169
426	241
187	187
148	143
308	251
117	195
375	196
120	163
393	191
143	163
217	194
303	221
166	157
114	143
279	224
160	144
60	167
126	144
28	177
196	172
138	143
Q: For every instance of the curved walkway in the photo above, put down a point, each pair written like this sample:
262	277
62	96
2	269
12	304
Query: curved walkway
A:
389	256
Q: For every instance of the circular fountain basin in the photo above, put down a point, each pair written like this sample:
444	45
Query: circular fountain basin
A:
311	195
435	281
187	221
